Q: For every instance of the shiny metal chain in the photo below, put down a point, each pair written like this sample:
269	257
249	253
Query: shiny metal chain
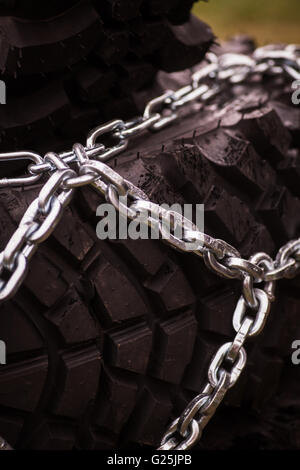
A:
85	165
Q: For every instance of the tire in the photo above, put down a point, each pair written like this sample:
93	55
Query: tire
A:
70	64
108	341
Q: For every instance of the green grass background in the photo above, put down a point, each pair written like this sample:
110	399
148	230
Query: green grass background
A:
265	20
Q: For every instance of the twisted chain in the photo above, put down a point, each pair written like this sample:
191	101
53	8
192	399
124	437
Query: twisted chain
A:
85	165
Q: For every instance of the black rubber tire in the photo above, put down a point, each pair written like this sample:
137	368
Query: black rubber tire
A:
107	341
71	64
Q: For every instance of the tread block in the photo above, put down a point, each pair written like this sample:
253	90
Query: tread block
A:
216	310
237	160
52	436
151	415
13	206
172	287
289	116
148	255
193	163
168	167
173	348
80	379
81	119
281	213
87	201
138	75
202	280
93	83
116	401
7	227
258	127
117	293
29	46
45	280
97	440
73	320
113	108
73	236
227	216
147	174
258	239
148	37
21	385
30	338
130	348
27	113
189	42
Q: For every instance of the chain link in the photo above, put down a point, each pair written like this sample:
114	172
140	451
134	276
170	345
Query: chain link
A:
85	165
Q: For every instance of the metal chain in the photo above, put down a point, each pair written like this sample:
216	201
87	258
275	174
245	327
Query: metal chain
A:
85	165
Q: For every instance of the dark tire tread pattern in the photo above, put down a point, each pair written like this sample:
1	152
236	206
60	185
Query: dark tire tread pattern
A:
72	64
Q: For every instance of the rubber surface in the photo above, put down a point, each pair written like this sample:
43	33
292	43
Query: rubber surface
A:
70	65
107	341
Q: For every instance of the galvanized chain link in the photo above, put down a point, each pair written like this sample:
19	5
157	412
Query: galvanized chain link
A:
85	165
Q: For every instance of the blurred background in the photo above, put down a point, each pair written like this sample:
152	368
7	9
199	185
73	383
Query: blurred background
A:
265	20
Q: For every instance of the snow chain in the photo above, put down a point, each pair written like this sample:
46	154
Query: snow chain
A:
85	165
